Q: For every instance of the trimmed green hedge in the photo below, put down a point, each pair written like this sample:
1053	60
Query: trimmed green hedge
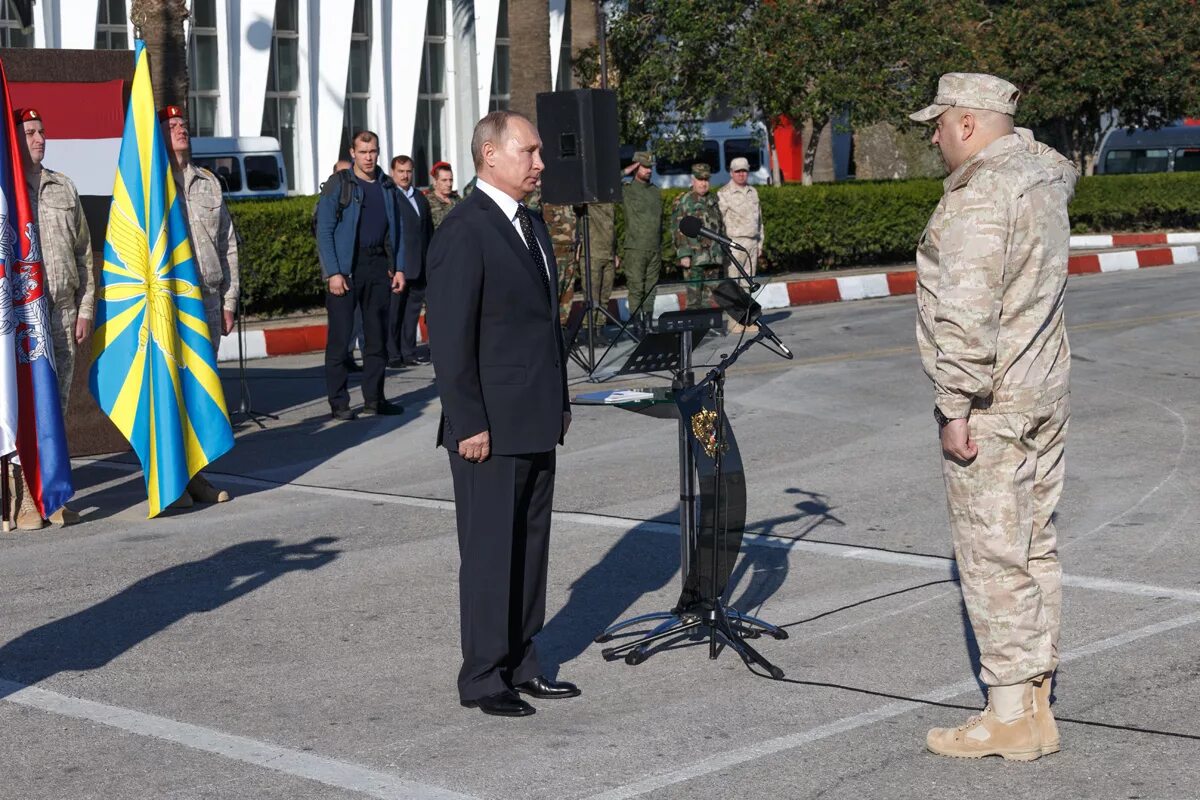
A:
825	226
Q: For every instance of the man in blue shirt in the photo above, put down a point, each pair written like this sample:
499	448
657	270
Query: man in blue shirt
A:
363	263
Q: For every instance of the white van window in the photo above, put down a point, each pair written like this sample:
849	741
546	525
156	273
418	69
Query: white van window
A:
744	148
224	167
262	173
1187	159
1136	161
711	155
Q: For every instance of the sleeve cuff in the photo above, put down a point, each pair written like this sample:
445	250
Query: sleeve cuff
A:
953	405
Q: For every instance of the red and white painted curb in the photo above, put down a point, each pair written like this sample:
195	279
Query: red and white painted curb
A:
780	294
1092	242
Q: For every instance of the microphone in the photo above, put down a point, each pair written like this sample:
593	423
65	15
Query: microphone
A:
745	310
692	227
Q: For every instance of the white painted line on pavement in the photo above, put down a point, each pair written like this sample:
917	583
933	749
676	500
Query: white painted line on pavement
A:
833	550
328	771
722	761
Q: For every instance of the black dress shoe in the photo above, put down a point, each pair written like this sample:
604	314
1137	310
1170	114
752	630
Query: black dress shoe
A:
419	361
343	414
397	363
501	704
543	688
384	408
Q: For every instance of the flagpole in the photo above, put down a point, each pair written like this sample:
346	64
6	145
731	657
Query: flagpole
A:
6	495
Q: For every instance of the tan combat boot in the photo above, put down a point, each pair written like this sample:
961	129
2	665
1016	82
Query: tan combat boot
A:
204	492
1042	715
64	517
28	516
1006	728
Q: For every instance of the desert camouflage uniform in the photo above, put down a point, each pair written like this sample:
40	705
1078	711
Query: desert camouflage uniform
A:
438	208
214	244
991	275
67	258
706	255
560	220
601	221
742	216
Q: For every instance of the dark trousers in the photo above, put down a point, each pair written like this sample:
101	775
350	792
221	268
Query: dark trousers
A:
403	315
370	292
503	507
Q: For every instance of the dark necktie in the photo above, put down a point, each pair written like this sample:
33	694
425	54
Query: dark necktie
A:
535	249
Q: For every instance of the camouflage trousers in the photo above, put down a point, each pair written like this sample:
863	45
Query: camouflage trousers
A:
62	329
699	295
748	262
641	268
566	288
1001	508
603	272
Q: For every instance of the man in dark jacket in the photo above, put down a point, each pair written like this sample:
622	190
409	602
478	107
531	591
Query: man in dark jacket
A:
405	310
501	374
363	264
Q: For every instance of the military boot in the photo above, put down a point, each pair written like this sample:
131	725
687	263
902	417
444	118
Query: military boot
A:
64	517
1006	728
204	492
1047	727
28	516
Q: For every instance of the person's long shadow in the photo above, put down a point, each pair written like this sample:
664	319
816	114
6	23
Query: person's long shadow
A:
92	638
764	568
639	563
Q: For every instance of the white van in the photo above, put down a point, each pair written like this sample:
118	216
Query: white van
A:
723	142
250	167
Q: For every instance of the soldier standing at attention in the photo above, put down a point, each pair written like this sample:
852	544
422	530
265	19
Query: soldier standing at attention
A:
700	259
991	275
602	220
641	258
214	246
443	197
67	260
560	220
742	215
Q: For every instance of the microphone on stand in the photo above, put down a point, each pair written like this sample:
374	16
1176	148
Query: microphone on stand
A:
692	228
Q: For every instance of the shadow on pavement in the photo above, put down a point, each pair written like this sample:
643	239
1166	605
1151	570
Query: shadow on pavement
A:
92	638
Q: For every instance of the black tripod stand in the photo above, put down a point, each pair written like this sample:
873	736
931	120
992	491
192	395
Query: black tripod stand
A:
244	409
590	306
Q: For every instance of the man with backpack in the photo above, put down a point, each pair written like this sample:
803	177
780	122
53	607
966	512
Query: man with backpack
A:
359	247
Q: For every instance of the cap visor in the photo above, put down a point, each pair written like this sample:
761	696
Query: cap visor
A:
928	113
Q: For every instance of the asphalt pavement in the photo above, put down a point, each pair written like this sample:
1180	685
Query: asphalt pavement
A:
301	641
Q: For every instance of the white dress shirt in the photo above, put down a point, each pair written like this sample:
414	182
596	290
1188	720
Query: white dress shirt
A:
411	194
509	208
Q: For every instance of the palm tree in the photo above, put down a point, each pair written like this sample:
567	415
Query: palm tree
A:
160	24
529	21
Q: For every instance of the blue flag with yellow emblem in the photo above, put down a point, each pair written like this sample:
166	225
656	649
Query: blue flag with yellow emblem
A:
155	369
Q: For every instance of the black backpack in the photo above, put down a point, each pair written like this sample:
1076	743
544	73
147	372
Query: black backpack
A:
345	186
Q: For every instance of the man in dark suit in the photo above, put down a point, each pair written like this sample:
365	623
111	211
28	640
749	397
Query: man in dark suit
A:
418	230
501	373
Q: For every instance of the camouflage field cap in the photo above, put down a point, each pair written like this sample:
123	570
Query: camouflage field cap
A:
644	157
701	171
970	90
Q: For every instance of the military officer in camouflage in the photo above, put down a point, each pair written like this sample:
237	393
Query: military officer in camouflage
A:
742	214
641	256
602	220
560	220
701	259
991	276
67	259
214	246
443	197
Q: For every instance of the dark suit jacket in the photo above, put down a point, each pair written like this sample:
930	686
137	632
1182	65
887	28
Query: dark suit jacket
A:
494	335
416	234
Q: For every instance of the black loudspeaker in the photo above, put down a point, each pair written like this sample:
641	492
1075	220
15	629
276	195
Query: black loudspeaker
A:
579	146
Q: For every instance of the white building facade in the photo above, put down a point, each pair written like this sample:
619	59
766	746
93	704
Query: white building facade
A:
311	72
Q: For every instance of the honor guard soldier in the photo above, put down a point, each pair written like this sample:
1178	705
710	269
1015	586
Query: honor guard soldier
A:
215	249
67	260
700	258
742	216
641	256
991	276
442	197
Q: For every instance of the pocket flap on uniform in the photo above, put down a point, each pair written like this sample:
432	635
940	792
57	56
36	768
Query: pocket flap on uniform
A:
497	374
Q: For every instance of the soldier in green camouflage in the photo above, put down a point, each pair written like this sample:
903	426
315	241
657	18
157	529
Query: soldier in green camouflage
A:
442	198
991	277
701	259
601	235
560	220
641	258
